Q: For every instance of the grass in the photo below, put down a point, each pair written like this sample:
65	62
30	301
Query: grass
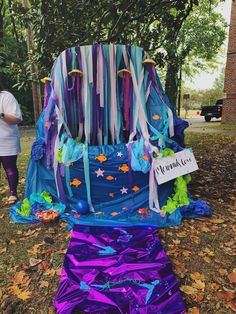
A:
203	246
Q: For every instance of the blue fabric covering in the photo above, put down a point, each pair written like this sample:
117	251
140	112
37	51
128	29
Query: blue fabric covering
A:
112	179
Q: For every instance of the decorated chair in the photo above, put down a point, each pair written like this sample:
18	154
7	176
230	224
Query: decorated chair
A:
106	119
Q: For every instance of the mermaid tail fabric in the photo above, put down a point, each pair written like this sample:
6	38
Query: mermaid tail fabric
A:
111	270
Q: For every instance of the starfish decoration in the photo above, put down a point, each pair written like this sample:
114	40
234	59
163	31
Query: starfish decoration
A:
99	172
119	154
124	190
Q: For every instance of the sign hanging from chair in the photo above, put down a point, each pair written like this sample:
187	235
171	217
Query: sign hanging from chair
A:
169	168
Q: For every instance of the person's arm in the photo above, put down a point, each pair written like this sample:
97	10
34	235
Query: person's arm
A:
10	119
11	112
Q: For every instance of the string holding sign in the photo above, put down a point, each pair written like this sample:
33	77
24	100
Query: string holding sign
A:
169	168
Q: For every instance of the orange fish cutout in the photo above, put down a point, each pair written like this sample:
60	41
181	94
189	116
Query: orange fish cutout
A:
156	117
75	182
111	194
102	158
110	178
99	213
145	157
143	211
135	188
124	168
114	213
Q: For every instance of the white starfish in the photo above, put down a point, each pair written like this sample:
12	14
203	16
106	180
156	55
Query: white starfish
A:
124	190
119	154
99	172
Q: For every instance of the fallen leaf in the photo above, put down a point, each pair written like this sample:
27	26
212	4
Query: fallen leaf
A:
188	289
186	253
232	277
222	272
23	295
3	250
193	310
198	297
226	295
50	272
51	310
43	266
34	249
18	278
216	220
29	232
34	261
197	276
207	259
232	306
198	284
176	242
12	241
205	229
179	267
213	286
43	284
195	239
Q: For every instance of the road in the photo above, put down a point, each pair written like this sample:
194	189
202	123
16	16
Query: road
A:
196	124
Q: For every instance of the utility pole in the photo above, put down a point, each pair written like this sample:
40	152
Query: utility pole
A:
179	89
229	102
33	69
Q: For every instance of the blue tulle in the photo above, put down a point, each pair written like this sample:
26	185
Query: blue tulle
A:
38	149
196	209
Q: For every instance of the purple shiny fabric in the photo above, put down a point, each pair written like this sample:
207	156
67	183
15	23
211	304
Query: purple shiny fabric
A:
117	270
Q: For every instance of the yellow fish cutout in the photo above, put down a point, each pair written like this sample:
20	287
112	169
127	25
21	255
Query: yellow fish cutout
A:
75	182
135	188
102	158
156	117
124	168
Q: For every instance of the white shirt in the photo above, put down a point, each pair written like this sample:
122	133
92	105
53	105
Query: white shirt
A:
9	133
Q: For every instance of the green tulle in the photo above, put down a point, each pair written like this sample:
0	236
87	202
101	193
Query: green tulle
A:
25	208
168	152
59	155
46	196
180	197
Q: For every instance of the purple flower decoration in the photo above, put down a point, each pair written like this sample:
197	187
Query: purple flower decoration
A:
37	207
38	149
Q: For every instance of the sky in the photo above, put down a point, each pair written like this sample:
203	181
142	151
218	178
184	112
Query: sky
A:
205	80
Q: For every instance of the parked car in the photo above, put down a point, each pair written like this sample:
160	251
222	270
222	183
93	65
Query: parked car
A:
214	111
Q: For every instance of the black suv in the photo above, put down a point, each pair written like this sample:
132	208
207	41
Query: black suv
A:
212	111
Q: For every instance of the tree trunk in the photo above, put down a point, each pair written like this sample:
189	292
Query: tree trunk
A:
1	19
171	84
34	71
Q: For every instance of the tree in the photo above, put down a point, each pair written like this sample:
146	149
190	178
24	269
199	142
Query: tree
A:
198	41
58	24
13	60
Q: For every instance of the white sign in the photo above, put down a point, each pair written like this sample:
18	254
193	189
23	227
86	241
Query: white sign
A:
168	168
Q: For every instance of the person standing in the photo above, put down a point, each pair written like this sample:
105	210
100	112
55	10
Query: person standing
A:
10	116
